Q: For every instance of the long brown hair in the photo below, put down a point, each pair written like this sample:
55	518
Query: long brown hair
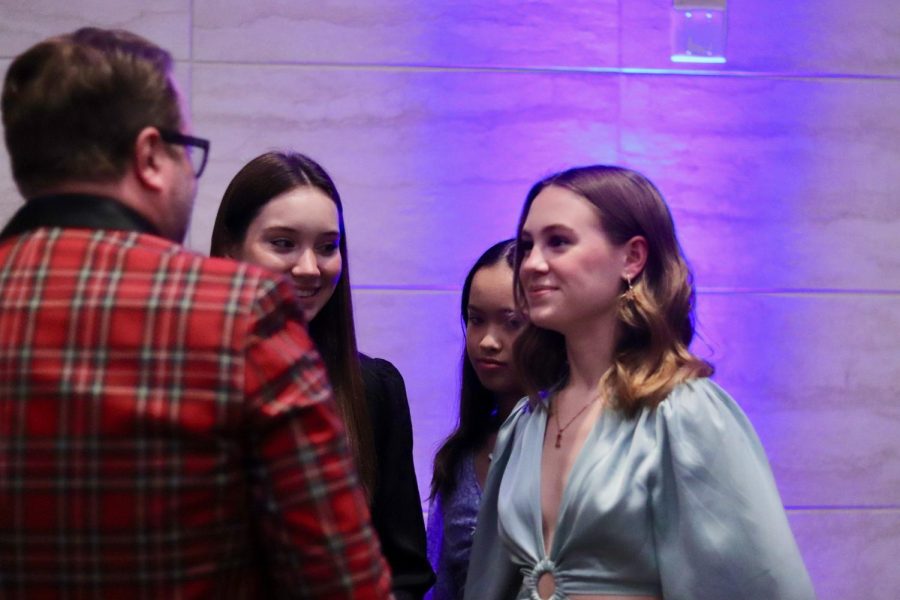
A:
261	180
655	320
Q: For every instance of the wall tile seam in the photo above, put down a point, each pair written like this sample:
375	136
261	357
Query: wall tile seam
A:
192	38
850	509
550	69
774	292
423	290
795	292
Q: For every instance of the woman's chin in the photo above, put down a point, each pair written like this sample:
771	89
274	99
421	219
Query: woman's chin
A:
546	319
309	312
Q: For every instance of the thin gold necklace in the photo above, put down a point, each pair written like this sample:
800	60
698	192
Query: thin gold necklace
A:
560	430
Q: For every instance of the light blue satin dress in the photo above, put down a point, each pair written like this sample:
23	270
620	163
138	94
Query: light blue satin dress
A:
678	502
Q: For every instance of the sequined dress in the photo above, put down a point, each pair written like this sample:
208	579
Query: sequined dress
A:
451	525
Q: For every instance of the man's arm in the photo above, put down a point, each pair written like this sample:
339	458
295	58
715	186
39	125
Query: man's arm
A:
314	519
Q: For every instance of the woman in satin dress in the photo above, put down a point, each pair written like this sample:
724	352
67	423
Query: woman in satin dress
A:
627	472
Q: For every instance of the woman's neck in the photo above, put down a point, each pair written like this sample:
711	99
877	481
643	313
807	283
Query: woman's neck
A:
589	350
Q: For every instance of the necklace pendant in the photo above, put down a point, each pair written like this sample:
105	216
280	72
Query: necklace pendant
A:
558	438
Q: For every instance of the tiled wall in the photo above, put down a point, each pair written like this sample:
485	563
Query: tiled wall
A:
782	168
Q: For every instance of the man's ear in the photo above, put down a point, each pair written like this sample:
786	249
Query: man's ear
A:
147	159
636	250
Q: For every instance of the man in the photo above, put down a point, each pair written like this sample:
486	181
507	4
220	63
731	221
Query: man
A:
166	427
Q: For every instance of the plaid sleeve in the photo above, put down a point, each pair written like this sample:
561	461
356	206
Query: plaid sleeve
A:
315	521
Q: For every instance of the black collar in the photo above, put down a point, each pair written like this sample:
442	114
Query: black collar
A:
80	211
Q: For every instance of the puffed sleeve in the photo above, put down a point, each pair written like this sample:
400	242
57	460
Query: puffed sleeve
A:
719	523
396	505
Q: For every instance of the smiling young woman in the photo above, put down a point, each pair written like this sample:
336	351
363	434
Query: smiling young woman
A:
629	473
298	233
282	211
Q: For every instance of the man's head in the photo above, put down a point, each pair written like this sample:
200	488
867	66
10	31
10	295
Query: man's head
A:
86	109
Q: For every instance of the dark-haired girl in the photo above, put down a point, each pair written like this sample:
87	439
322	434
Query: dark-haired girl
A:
627	473
282	211
488	393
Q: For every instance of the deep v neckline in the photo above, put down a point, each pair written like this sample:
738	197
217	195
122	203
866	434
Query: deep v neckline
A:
546	550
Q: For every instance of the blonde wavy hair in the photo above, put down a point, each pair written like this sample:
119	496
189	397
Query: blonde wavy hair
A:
655	321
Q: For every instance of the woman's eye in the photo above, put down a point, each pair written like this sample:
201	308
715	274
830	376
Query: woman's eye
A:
525	246
474	320
329	248
557	241
282	243
514	324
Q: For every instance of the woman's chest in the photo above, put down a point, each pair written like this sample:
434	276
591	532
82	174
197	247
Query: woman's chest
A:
598	494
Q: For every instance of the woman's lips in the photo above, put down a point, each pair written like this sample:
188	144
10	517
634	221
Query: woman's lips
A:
538	291
490	364
307	292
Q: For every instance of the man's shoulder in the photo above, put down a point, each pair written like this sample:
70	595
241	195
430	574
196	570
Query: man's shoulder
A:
145	268
209	285
164	255
155	263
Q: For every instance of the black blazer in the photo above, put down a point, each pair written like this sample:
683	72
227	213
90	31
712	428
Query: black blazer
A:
396	505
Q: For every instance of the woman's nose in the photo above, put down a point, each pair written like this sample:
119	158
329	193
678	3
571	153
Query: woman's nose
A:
490	342
306	264
534	262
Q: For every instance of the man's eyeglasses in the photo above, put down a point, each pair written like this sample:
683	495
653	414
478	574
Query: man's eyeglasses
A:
196	148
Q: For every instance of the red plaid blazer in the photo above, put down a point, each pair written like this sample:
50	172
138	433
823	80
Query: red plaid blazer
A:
166	427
